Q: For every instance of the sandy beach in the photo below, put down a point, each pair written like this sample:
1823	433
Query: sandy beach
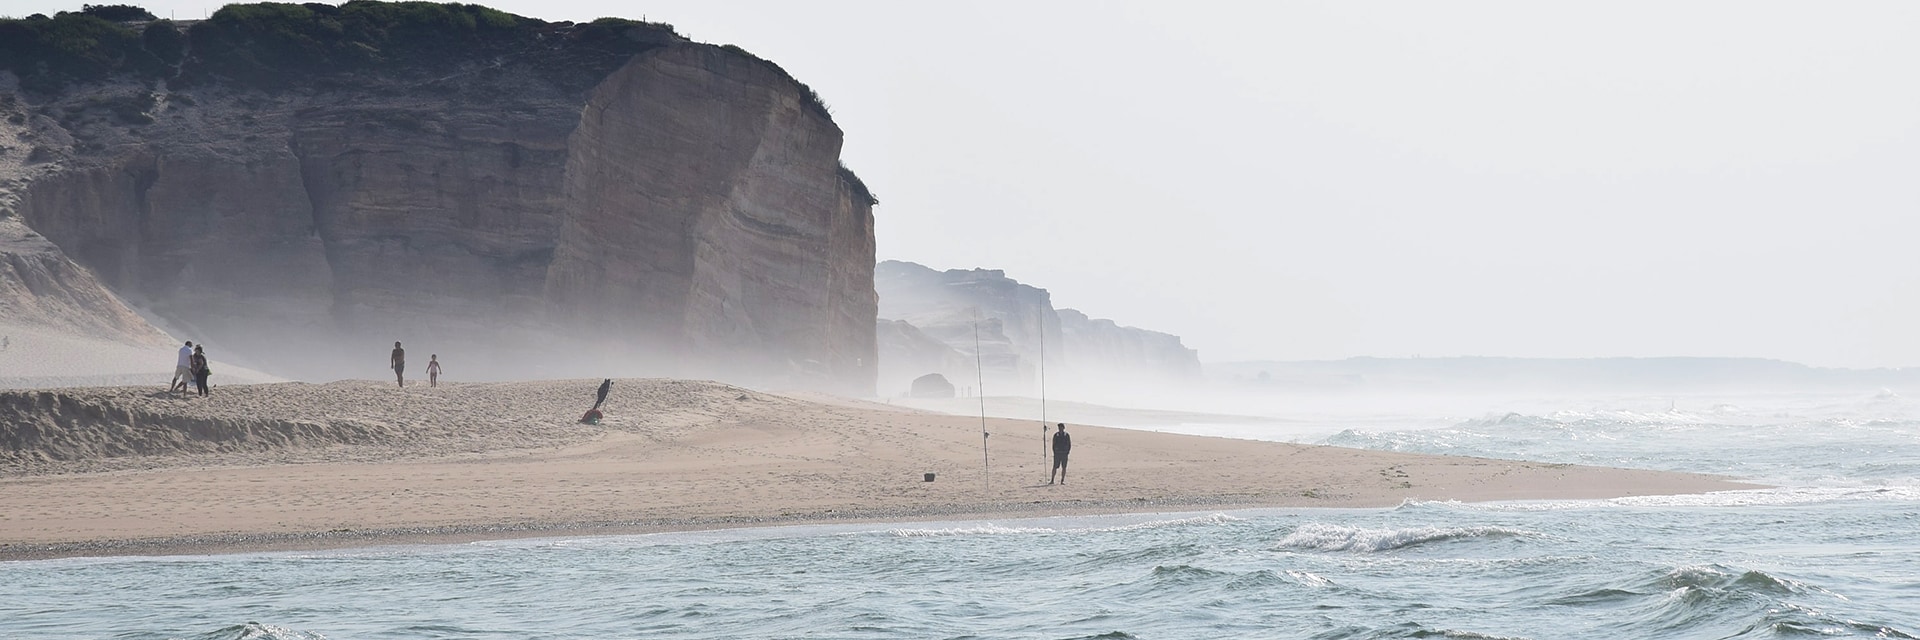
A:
131	470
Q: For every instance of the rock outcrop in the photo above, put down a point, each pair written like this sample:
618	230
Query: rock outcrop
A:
930	318
932	385
528	199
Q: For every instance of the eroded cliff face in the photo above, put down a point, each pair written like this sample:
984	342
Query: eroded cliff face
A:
676	209
749	259
1131	353
972	312
927	325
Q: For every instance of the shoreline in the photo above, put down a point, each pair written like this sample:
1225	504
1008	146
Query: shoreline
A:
347	539
241	543
125	471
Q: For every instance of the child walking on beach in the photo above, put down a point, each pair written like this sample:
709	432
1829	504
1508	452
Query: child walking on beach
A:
433	370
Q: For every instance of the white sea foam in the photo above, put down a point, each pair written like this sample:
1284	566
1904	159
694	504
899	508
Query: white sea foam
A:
1331	537
1776	497
1779	496
981	530
1309	578
1216	518
990	529
257	631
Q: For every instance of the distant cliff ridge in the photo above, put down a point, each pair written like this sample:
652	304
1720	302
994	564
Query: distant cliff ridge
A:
1106	343
929	319
304	184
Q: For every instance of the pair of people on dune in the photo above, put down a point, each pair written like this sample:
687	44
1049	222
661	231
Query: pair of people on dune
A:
191	365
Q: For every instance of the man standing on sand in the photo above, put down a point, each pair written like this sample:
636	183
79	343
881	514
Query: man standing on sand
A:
399	363
605	386
182	369
433	370
1062	443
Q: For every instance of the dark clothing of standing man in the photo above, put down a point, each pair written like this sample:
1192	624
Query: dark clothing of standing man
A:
1062	443
605	386
399	363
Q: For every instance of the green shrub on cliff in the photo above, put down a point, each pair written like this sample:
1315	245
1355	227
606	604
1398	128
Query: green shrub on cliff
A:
858	186
49	52
117	12
267	41
278	44
162	38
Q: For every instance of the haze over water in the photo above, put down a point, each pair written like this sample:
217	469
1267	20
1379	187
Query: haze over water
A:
1830	553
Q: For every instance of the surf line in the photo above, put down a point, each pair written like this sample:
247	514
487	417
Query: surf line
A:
980	378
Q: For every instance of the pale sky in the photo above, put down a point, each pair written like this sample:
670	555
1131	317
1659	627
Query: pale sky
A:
1281	180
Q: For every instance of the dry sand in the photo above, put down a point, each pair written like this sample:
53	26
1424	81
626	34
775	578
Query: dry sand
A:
286	466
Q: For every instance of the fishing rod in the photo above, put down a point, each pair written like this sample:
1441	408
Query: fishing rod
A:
1043	391
980	377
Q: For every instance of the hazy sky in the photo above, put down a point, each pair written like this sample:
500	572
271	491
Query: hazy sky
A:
1323	180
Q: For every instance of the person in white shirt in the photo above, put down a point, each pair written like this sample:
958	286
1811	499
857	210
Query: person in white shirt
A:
181	373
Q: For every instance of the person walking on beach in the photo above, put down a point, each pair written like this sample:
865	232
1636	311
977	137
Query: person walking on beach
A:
433	370
182	369
605	386
1062	443
399	363
200	369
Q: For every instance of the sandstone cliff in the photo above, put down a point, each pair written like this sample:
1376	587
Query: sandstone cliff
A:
929	318
306	184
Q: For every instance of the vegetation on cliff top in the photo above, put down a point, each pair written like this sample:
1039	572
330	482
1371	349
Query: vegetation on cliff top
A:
271	42
117	12
275	45
45	52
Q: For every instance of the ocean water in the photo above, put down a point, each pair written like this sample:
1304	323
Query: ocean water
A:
1834	551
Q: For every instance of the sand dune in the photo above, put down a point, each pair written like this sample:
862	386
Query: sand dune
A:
43	358
97	429
117	470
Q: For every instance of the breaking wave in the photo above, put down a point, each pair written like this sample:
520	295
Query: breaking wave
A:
999	530
1317	536
257	631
